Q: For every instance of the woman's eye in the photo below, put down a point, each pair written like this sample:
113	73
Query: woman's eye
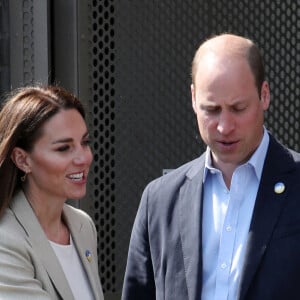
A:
86	142
63	148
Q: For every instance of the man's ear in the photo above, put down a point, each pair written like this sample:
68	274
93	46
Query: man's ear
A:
20	158
265	95
193	97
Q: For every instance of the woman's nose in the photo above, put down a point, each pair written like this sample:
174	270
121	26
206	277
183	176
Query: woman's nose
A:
83	156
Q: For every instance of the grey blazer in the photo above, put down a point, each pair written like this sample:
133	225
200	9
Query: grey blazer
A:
29	268
165	261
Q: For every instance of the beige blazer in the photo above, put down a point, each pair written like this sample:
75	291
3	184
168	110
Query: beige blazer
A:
29	268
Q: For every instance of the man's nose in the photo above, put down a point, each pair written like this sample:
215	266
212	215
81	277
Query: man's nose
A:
226	123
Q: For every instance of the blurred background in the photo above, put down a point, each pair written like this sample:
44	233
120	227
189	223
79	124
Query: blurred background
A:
129	63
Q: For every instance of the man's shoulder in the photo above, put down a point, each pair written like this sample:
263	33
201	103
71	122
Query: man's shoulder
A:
295	154
175	178
281	149
281	159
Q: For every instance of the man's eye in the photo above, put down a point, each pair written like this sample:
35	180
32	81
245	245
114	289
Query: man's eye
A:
239	109
211	110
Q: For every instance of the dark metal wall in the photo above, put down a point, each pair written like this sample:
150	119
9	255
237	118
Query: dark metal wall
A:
4	47
129	62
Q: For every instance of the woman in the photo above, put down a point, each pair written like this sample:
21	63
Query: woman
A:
48	249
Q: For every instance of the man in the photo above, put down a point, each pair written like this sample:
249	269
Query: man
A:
226	225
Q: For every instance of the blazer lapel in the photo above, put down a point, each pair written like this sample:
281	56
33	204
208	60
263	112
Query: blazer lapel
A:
82	238
190	201
41	245
267	209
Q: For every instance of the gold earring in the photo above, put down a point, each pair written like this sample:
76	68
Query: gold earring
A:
23	178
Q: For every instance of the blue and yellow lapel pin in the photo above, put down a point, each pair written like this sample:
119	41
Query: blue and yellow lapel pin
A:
88	255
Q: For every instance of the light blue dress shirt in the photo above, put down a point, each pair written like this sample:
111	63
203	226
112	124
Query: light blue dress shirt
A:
226	219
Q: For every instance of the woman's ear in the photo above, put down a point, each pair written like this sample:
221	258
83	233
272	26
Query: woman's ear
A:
20	158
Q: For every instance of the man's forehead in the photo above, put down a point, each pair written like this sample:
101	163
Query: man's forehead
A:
228	42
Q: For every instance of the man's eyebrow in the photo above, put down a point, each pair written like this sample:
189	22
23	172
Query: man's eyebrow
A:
207	104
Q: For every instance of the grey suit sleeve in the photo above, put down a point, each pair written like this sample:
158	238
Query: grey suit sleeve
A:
139	277
17	274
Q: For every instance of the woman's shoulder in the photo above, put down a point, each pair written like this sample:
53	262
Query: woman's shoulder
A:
12	233
76	215
74	211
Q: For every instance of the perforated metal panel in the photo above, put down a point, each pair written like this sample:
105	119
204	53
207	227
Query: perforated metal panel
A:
4	47
281	44
28	46
103	114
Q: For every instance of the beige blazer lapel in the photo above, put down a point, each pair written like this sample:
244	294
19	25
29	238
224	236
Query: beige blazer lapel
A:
40	244
84	236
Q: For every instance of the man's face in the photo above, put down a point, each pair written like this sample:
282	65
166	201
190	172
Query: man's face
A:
229	109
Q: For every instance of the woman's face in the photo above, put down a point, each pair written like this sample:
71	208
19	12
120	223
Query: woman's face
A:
60	159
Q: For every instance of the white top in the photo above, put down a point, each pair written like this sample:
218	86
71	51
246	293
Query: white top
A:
73	269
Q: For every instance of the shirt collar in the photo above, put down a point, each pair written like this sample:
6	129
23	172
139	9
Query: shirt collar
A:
256	160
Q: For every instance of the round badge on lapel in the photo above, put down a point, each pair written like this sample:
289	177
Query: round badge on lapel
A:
279	188
88	255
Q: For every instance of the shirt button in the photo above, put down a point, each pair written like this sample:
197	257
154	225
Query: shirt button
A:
228	228
223	266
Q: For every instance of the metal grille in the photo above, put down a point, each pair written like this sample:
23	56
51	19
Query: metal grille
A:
281	44
4	48
103	114
28	45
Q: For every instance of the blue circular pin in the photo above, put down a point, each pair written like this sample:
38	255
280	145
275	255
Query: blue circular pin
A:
279	187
